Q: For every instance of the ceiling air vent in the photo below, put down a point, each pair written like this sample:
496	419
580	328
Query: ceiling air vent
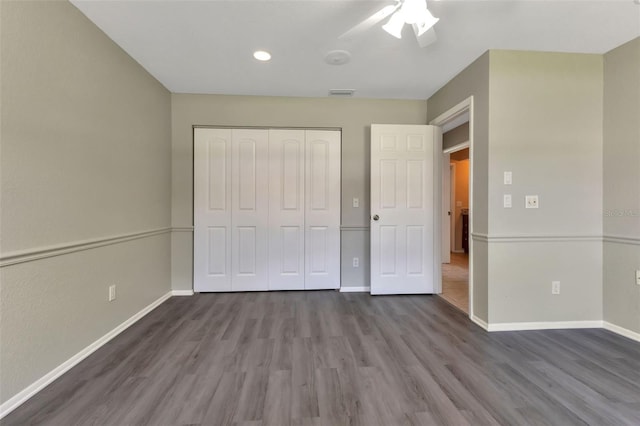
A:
342	93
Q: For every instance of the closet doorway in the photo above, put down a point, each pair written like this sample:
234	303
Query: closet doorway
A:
266	209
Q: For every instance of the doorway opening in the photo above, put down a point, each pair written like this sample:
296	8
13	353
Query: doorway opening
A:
456	248
455	273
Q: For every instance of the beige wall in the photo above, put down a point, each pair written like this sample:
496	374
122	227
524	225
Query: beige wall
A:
622	185
354	116
85	156
473	81
545	124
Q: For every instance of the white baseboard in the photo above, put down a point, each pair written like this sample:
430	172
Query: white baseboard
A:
480	322
22	396
522	326
621	331
355	289
182	292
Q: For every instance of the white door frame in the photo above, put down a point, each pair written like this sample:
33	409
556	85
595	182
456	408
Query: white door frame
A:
452	206
444	118
446	210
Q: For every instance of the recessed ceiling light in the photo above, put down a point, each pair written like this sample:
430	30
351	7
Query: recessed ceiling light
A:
262	55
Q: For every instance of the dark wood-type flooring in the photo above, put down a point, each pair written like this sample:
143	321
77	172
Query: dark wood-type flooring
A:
329	358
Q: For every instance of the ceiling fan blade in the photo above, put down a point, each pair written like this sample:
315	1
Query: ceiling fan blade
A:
427	38
370	21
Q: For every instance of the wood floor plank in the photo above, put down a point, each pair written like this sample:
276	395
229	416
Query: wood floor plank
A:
277	405
330	358
304	397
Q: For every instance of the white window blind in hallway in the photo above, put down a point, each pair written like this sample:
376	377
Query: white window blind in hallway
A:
266	209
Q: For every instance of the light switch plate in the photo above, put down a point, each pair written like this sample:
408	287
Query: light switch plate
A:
638	277
531	201
507	201
356	202
508	178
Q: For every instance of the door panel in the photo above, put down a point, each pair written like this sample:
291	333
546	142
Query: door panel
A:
322	212
247	244
415	255
415	184
217	251
212	210
387	249
317	253
286	209
250	209
403	200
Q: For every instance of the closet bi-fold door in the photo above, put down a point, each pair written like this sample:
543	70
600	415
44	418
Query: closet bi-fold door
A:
230	210
322	209
266	209
286	209
212	210
250	209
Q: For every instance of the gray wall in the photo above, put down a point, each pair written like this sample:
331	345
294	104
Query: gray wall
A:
85	156
354	116
538	115
456	136
622	185
473	81
545	124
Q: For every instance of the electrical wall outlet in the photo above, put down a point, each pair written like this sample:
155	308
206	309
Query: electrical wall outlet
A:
356	262
112	293
638	277
555	287
506	201
531	201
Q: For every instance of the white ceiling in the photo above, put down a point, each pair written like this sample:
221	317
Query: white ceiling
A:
207	46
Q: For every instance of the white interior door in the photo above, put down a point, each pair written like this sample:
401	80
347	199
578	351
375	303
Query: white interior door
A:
405	191
250	209
286	209
322	209
212	210
445	229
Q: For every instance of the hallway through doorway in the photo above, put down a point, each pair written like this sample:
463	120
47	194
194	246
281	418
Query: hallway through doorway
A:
455	281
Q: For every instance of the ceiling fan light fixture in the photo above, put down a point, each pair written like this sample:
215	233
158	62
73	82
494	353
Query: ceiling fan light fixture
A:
413	10
395	24
427	20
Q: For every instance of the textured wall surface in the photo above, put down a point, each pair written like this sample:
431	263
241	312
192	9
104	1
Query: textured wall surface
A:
85	157
622	185
545	124
538	115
